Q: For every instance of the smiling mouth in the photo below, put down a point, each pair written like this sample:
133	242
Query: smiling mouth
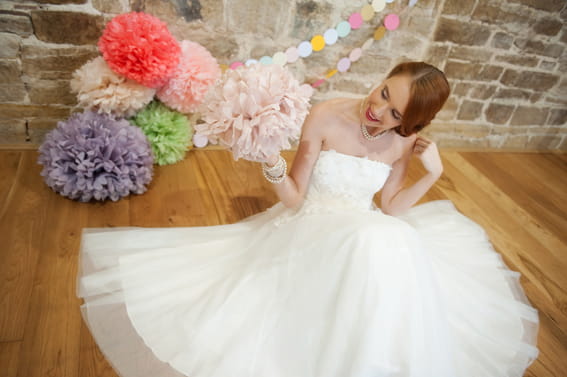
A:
370	117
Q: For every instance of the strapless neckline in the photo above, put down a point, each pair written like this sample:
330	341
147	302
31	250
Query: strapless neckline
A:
363	158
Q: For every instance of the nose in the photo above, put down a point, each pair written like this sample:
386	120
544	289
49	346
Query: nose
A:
380	109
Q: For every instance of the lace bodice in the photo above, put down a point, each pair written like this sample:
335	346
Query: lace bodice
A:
343	180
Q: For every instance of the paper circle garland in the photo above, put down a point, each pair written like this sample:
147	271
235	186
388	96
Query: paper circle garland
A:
304	49
318	43
392	21
355	54
236	65
355	21
331	36
379	33
343	29
266	60
378	5
343	65
367	12
279	58
292	54
250	62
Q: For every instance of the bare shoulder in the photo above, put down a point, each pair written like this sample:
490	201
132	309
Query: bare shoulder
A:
323	116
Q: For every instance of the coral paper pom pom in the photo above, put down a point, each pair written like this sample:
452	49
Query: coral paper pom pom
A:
100	88
140	47
255	111
196	72
94	156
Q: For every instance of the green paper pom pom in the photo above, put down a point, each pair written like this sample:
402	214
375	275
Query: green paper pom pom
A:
168	131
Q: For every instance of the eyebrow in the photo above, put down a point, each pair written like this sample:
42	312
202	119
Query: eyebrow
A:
388	95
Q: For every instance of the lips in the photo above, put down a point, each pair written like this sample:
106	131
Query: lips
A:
370	117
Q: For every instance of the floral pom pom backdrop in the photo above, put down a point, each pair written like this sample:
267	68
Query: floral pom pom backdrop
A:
95	156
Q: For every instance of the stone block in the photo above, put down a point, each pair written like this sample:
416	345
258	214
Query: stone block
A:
520	60
508	17
62	1
498	113
449	110
510	77
482	91
539	81
10	45
266	18
437	55
529	116
454	141
51	92
462	71
502	40
471	130
311	18
515	142
41	62
557	117
547	65
544	142
512	94
547	5
461	89
13	131
548	26
470	110
449	30
472	54
490	72
108	6
17	111
458	7
67	27
10	71
15	92
346	85
531	46
19	24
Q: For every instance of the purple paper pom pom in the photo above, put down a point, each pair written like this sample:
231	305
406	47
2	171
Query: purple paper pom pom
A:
95	156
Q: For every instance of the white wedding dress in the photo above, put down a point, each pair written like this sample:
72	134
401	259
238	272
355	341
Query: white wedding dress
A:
333	289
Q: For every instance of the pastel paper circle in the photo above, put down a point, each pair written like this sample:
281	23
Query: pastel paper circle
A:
412	3
392	21
367	12
331	36
366	45
235	65
355	21
378	5
379	33
343	65
279	58
250	62
318	42
200	140
292	54
304	49
266	60
355	54
318	83
389	1
343	28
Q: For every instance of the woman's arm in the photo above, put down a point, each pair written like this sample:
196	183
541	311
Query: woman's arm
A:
292	190
396	199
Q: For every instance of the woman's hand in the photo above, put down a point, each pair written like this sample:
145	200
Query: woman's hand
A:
272	160
427	152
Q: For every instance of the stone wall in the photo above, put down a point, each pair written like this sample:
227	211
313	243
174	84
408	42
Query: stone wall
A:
505	58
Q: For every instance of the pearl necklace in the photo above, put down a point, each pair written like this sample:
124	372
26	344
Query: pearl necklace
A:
369	137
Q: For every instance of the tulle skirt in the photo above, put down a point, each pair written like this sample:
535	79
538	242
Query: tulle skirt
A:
309	294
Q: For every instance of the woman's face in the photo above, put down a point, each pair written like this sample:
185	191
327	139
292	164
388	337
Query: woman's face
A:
385	106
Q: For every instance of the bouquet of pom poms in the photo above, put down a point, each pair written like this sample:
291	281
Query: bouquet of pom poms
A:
255	111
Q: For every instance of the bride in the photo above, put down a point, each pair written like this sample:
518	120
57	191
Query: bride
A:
322	284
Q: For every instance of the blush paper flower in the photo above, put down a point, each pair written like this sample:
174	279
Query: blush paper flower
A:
95	156
140	47
168	131
100	88
255	111
196	72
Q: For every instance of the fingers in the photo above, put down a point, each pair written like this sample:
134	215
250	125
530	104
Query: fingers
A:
421	144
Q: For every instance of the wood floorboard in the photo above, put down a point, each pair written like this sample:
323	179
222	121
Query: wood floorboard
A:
518	198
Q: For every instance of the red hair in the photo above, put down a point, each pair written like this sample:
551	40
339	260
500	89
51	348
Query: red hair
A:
428	92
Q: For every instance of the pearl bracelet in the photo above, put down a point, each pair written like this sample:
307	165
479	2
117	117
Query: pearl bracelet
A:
276	173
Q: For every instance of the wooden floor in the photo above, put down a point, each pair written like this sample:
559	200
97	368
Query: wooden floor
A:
520	199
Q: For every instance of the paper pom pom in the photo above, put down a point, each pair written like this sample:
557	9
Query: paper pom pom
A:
255	111
168	131
100	88
139	46
94	156
196	72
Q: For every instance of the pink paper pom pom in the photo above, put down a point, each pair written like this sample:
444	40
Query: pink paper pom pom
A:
100	88
255	111
140	47
190	81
